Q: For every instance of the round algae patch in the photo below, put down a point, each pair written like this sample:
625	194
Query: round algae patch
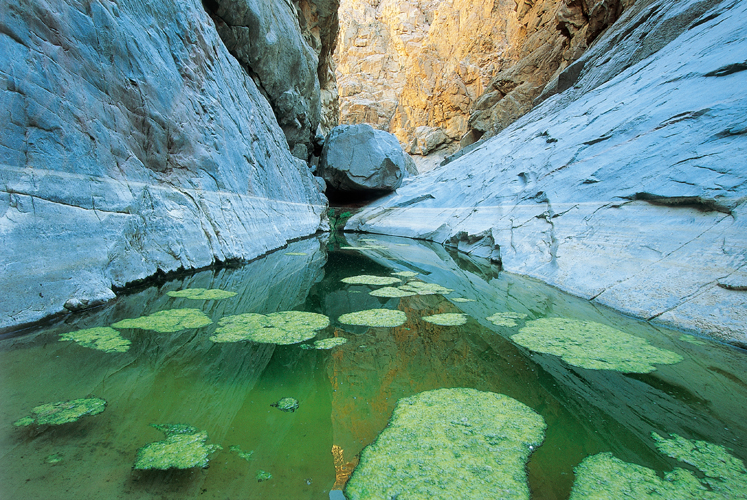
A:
330	342
593	345
405	274
168	321
286	404
62	412
283	328
450	443
391	292
423	288
387	318
102	339
365	279
183	448
507	318
447	319
201	294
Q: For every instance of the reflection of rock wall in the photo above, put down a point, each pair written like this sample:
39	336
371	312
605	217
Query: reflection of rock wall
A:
436	71
132	142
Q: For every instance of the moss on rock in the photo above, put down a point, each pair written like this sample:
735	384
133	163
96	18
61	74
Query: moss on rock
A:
593	345
450	443
184	448
168	321
104	338
283	328
366	279
447	319
386	318
62	412
507	319
201	294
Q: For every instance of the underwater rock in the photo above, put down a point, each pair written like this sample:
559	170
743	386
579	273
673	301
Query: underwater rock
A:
201	294
103	338
450	443
330	342
391	292
507	318
62	412
286	404
365	279
168	321
283	328
721	475
183	448
387	318
593	345
446	319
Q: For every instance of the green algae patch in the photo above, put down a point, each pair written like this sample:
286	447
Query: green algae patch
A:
366	279
201	294
283	328
405	274
263	476
246	455
364	247
184	448
391	292
423	288
386	318
104	338
447	319
54	458
507	319
450	443
462	299
62	412
692	340
593	345
168	321
286	404
330	343
296	254
721	475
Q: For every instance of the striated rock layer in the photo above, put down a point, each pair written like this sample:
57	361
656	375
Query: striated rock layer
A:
131	143
437	72
629	188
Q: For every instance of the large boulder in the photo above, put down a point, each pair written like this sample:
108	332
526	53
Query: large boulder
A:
360	161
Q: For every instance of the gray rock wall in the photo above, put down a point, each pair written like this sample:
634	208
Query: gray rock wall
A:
132	142
628	189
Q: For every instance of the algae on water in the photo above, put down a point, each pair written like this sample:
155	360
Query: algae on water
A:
330	342
102	339
723	476
168	321
391	292
296	254
423	288
593	345
405	274
387	318
450	443
62	412
462	299
246	455
184	448
286	404
283	328
507	318
447	319
201	294
366	279
262	476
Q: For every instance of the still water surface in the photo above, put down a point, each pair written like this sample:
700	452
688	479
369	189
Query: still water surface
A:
346	395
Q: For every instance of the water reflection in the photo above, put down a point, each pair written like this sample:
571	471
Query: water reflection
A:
346	395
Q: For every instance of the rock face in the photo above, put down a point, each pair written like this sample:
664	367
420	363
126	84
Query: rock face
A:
359	161
437	72
629	188
286	47
132	143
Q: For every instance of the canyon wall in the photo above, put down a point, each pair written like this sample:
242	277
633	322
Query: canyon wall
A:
626	185
133	143
437	72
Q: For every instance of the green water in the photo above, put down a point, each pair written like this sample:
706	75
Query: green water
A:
346	395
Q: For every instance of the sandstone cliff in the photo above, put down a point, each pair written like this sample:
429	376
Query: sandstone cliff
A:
434	72
132	143
628	188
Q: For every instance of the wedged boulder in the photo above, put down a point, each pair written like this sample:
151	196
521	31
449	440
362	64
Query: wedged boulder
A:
359	161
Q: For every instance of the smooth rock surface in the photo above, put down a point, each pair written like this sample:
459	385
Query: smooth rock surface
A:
358	160
628	189
131	143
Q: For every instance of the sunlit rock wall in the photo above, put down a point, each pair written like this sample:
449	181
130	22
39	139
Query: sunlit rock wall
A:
132	143
629	188
437	72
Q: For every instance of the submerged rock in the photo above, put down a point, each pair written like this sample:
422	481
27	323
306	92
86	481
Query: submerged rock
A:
62	412
183	448
450	443
359	161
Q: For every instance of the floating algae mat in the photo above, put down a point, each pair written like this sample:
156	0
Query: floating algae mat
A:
286	327
593	345
450	443
201	294
471	400
365	279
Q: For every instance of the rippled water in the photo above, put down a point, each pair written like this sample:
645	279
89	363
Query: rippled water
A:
346	395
